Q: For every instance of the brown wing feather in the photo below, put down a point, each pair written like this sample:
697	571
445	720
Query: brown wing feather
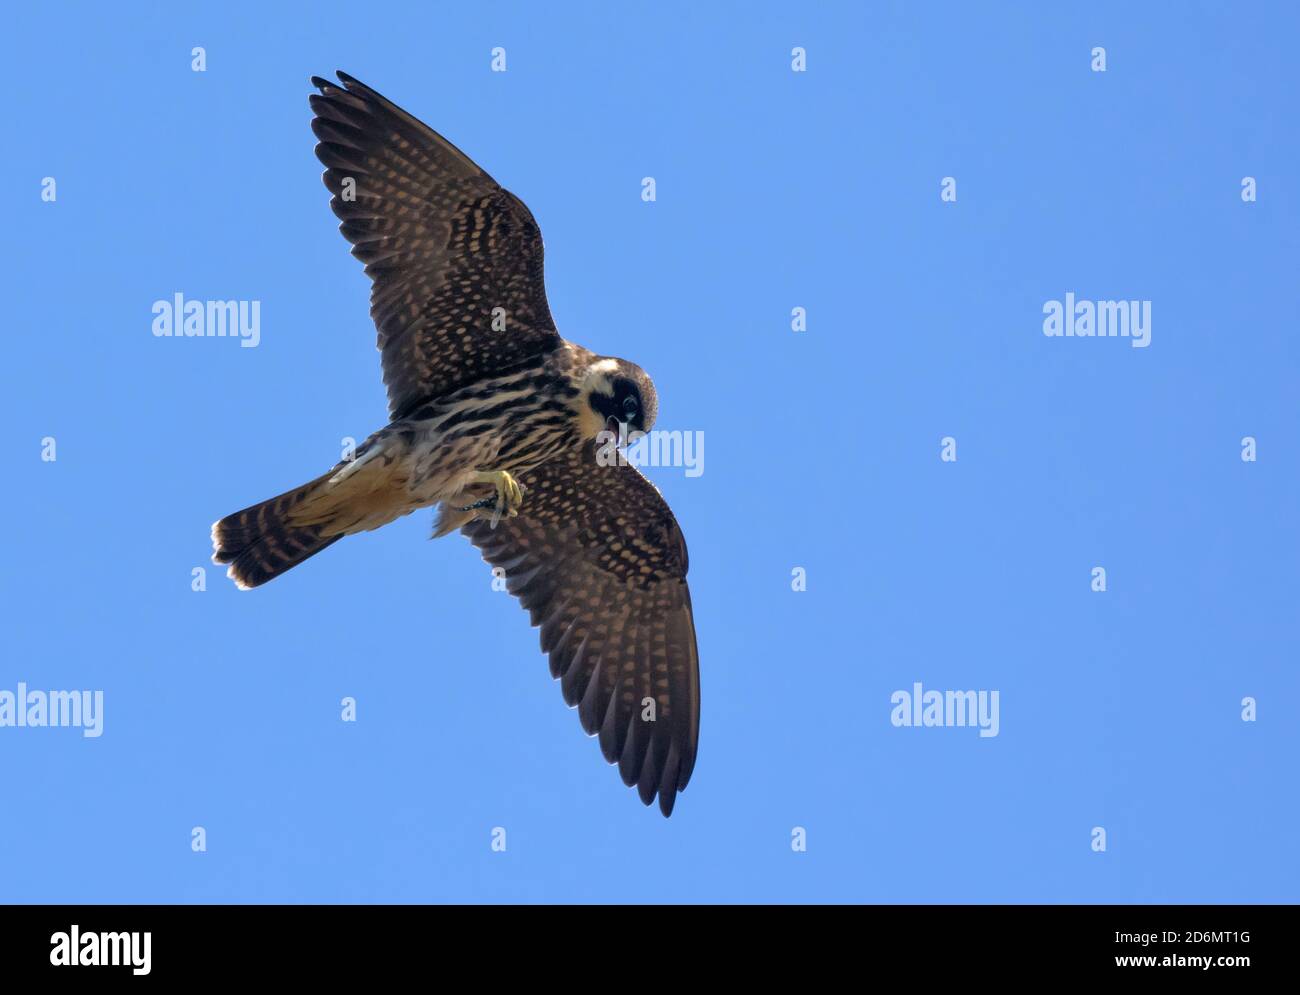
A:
600	563
443	244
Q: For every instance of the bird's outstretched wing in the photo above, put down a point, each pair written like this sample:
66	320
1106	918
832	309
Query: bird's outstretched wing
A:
598	560
444	245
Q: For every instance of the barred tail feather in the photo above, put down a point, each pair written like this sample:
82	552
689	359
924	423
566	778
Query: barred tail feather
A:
260	542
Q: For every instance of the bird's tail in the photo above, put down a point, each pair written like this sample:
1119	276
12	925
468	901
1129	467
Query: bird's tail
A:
264	541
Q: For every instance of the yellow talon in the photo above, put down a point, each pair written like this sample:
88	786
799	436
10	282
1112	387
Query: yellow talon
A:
509	497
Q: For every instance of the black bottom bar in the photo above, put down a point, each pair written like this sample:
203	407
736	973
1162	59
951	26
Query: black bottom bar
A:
333	943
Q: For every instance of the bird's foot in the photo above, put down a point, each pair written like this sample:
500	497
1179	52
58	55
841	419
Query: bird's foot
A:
507	500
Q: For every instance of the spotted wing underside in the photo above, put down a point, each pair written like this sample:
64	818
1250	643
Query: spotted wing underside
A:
599	562
455	260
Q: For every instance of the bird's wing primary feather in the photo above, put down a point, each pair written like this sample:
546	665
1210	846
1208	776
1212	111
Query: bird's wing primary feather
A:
444	245
600	563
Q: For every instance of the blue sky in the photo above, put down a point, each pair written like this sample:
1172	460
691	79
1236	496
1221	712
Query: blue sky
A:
1119	709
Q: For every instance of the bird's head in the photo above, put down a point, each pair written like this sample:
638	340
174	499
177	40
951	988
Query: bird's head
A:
618	397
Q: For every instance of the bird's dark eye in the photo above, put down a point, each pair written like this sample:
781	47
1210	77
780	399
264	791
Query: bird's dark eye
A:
629	406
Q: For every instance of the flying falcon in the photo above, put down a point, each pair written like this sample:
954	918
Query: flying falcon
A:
494	418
